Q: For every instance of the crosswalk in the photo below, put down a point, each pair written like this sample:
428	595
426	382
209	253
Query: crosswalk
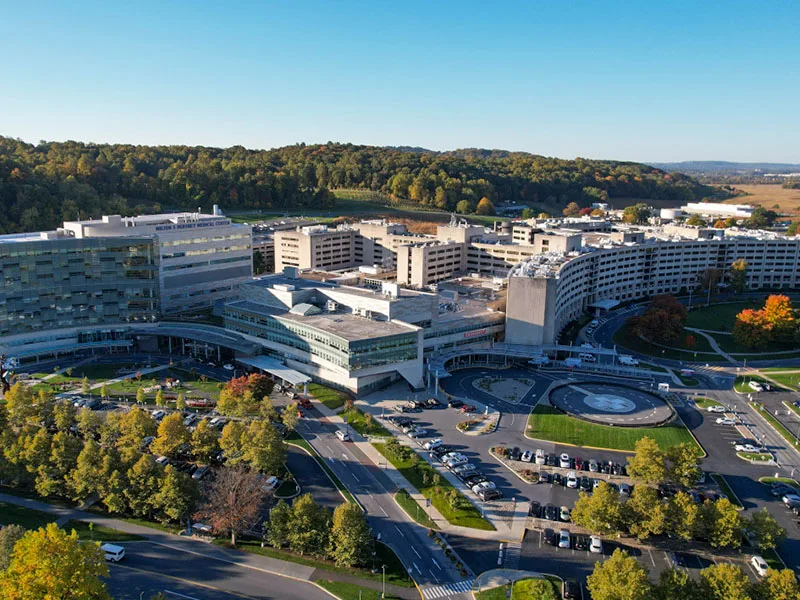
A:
448	589
511	560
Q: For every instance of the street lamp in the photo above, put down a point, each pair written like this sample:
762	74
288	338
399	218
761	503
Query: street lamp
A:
383	570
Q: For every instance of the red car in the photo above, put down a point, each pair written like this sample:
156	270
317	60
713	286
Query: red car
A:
305	403
467	408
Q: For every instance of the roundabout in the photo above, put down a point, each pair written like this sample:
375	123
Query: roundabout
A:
611	404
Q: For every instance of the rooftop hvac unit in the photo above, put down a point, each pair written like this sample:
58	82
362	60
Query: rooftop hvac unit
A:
331	306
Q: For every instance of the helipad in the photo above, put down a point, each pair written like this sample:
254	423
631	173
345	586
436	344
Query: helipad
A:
611	404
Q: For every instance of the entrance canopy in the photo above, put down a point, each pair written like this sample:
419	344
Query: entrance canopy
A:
604	304
276	369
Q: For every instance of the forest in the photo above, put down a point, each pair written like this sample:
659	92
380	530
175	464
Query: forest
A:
43	184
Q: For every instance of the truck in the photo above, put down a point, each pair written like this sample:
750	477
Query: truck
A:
628	361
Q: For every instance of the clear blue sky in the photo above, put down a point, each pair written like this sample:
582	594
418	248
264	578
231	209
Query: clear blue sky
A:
637	80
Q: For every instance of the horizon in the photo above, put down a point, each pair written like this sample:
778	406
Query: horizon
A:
630	83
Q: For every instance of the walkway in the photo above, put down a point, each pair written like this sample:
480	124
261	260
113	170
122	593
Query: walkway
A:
715	345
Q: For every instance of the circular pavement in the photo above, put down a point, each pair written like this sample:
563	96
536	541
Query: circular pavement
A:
611	404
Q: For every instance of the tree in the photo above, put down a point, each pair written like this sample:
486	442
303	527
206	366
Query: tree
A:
232	441
159	398
696	221
620	577
85	386
172	436
675	584
104	391
264	449
777	585
465	207
779	315
9	536
232	500
597	212
647	463
722	523
180	402
144	479
600	512
738	275
310	527
683	516
87	477
663	320
571	209
719	224
760	218
204	442
792	229
724	582
644	513
178	495
751	329
141	398
134	426
50	563
289	416
89	422
682	465
351	537
637	214
20	406
276	532
527	214
709	282
64	415
765	529
485	207
690	342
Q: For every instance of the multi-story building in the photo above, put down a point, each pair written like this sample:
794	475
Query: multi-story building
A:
316	247
201	258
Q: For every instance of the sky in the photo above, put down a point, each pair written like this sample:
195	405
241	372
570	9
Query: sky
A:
645	80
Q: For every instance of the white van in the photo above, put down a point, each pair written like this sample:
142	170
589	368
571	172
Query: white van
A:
628	361
112	552
756	386
586	357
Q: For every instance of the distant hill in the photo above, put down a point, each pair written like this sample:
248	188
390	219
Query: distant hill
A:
46	183
710	167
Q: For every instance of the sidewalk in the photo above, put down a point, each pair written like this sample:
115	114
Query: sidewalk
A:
202	548
715	345
504	532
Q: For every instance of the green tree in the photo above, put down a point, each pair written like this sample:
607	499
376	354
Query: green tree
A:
675	584
644	513
141	398
9	536
171	437
620	577
180	402
696	221
113	492
722	523
178	495
144	480
351	537
64	415
485	207
87	477
276	533
777	585
637	214
104	391
310	527
600	512
160	398
768	534
232	441
20	406
85	386
724	582
64	451
465	207
264	449
647	463
683	516
683	468
49	563
134	426
792	229
289	416
89	422
527	214
37	451
266	410
738	275
204	442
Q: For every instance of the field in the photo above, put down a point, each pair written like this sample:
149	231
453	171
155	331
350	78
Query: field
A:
637	344
769	195
331	398
350	591
523	590
718	317
547	423
703	403
790	380
11	514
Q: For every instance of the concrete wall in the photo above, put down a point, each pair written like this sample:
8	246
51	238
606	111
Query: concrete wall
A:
530	311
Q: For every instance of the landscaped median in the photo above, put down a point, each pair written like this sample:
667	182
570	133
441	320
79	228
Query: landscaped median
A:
445	498
776	425
533	588
726	489
331	398
550	424
412	508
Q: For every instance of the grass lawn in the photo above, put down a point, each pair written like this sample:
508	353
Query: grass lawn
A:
349	591
548	423
623	338
100	533
742	383
11	514
755	456
358	421
726	489
786	480
789	380
703	403
414	510
719	317
395	571
793	408
295	439
286	489
780	369
422	476
524	589
330	397
773	559
654	368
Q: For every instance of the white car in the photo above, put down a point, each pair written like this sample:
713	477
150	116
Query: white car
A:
726	421
526	456
745	448
759	565
417	433
455	461
228	367
791	500
484	485
563	539
572	480
563	461
595	545
540	458
342	435
463	468
433	444
715	408
112	552
158	414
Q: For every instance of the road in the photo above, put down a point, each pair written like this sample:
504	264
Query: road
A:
426	561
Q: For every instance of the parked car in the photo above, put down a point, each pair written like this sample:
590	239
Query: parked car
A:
433	403
564	514
112	552
759	565
515	454
162	460
791	500
624	489
484	485
563	539
572	480
571	590
715	408
455	404
417	432
745	448
432	444
585	484
595	545
526	456
463	468
200	472
677	559
342	435
726	421
486	495
473	478
147	441
535	509
557	479
455	461
563	461
158	414
468	408
551	512
593	466
540	457
228	367
581	542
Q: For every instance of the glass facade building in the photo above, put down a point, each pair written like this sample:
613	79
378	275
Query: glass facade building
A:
56	282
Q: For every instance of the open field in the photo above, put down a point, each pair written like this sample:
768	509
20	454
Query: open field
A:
679	352
548	423
11	514
703	403
768	195
350	591
330	397
719	317
524	589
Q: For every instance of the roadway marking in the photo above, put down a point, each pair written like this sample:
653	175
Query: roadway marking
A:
383	511
356	478
652	560
436	563
417	568
433	575
415	552
400	532
190	582
344	456
180	595
329	448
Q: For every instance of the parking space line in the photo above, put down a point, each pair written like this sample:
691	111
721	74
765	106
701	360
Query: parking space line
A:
652	560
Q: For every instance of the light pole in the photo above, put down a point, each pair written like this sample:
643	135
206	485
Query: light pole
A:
383	570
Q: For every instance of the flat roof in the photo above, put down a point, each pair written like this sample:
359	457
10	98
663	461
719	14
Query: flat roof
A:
301	284
276	368
344	325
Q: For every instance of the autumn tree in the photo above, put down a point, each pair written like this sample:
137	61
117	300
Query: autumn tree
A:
675	584
644	513
232	500
637	214
51	563
752	329
696	221
485	207
144	481
180	401
276	530
9	536
600	512
264	449
351	537
765	529
64	415
87	476
134	426
571	209
171	437
721	523
232	441
683	516
178	495
792	229
724	581
310	526
647	464
663	320
621	577
290	416
777	585
20	406
89	422
682	466
780	317
204	442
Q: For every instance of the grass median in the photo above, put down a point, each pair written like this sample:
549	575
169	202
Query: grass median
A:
726	489
414	510
29	518
532	588
548	423
704	403
777	426
350	591
100	533
365	424
445	498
